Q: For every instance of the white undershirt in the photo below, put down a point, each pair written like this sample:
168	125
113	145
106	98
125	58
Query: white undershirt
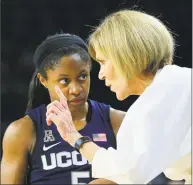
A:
155	132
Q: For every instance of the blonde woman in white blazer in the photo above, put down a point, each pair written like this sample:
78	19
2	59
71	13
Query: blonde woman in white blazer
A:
135	52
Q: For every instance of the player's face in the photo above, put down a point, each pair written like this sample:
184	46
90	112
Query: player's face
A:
113	79
73	77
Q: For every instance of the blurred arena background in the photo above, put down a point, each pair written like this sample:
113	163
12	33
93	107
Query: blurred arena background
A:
24	24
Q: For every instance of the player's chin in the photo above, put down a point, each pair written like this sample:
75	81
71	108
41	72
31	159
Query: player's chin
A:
101	181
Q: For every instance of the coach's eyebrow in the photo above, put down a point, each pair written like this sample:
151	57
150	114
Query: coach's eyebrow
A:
99	60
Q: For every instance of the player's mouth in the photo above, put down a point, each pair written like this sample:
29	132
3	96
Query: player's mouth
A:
77	101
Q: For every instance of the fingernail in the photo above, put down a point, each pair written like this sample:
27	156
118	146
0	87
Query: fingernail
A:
56	87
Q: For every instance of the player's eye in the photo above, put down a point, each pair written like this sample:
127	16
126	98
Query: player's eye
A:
83	77
64	81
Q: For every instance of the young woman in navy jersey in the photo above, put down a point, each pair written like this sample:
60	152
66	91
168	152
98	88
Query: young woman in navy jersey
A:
30	146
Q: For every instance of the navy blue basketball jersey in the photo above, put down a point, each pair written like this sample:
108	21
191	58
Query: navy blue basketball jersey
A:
54	161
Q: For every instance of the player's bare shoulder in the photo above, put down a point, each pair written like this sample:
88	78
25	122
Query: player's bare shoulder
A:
116	117
21	131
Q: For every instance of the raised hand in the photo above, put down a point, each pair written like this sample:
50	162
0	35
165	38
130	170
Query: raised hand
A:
59	114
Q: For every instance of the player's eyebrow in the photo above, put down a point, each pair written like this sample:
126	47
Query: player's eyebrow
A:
63	75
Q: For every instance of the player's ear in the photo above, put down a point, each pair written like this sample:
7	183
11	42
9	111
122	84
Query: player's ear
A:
42	80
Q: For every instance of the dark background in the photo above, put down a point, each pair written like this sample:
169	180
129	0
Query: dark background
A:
26	23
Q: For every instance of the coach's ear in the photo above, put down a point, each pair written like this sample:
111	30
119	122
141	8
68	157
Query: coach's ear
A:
42	80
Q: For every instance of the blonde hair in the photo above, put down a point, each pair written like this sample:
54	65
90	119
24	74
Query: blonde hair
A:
136	43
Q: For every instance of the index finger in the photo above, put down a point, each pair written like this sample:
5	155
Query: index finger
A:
61	96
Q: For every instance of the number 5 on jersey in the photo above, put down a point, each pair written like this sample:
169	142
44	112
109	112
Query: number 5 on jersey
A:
76	176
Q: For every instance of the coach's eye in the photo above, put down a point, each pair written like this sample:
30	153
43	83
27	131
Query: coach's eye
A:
101	62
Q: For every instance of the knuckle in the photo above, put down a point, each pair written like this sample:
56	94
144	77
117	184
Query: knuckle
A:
55	101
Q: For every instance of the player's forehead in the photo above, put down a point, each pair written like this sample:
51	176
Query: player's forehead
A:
71	65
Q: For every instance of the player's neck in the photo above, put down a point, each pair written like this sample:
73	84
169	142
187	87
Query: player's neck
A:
80	114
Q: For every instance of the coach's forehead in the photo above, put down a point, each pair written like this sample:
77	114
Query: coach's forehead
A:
99	55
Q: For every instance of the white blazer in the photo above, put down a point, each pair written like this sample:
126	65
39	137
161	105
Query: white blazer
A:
154	135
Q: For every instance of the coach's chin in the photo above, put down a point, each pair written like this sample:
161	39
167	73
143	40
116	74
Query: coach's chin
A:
102	181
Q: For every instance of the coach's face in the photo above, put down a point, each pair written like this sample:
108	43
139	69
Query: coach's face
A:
116	81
